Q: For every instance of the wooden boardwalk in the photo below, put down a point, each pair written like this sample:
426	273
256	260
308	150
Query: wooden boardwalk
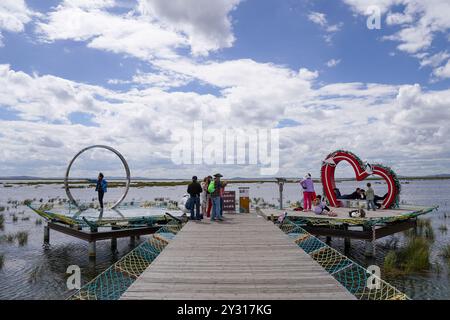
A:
243	257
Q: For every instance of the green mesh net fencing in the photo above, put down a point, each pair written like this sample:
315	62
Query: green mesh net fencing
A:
114	281
351	275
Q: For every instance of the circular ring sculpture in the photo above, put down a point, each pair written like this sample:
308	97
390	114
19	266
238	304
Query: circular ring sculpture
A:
117	153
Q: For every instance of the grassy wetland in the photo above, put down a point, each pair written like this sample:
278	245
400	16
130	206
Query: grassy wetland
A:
416	261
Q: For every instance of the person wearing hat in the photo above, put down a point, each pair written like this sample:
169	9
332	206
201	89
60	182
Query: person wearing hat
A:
195	189
216	199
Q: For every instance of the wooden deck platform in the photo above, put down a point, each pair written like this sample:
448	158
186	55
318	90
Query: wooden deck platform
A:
342	213
243	257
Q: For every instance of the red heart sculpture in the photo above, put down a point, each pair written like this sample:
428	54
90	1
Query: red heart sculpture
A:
362	171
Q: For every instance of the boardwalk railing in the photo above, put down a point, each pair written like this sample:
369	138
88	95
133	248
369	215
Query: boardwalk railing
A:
114	281
351	275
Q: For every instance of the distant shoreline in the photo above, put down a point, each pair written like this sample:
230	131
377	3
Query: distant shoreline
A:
170	183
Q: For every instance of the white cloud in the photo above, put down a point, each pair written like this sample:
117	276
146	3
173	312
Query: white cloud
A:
318	18
443	71
333	63
154	29
206	23
434	60
400	120
120	34
419	22
321	20
14	15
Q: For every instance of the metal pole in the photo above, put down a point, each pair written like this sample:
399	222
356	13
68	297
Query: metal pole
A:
92	249
281	196
46	236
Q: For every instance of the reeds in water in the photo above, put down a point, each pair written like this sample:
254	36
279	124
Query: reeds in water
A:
2	260
414	257
22	238
2	221
445	252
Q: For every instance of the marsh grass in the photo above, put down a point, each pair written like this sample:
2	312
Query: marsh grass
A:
2	221
445	252
414	257
2	208
2	260
8	238
22	238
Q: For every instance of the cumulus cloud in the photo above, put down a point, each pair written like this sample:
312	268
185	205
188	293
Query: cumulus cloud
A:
14	15
124	34
140	122
206	23
405	121
153	29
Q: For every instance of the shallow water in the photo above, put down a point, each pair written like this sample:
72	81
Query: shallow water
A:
30	272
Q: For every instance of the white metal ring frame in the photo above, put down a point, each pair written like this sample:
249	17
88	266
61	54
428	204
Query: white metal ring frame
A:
117	153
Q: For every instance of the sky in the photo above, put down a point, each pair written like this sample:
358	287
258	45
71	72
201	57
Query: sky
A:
132	73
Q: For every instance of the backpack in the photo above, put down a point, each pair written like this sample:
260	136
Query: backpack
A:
189	204
211	187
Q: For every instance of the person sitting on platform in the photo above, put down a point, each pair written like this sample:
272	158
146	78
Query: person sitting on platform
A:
101	188
352	196
362	194
321	208
378	198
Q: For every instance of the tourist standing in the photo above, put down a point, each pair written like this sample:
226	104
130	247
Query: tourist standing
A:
214	190
195	189
370	197
308	192
101	187
205	197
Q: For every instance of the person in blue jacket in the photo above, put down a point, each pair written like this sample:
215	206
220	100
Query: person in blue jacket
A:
101	188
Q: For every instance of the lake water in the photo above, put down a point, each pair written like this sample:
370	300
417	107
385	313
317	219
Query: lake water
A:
30	272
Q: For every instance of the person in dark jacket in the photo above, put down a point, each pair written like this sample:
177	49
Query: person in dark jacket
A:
101	188
195	189
352	196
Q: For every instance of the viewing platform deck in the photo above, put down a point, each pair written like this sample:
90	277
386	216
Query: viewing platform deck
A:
243	257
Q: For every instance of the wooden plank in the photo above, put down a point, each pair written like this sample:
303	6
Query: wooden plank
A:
243	257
